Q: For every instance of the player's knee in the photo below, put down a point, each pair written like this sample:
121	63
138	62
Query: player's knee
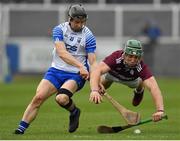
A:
63	97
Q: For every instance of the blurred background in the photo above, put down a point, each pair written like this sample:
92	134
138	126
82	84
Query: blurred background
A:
26	25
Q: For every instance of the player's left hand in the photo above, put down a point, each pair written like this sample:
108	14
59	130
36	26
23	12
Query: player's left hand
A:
95	97
157	116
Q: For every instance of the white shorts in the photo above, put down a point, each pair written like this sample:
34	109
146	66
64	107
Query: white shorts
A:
132	84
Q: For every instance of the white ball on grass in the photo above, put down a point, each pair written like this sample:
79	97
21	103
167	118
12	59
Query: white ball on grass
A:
137	131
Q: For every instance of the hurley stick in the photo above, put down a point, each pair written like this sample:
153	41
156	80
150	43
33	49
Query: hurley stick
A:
132	118
107	129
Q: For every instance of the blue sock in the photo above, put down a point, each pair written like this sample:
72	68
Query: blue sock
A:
23	126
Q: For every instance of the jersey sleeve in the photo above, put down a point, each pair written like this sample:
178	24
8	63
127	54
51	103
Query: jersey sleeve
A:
57	34
111	60
90	42
145	73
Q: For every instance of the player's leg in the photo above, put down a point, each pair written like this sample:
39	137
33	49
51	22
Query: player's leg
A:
138	87
63	98
137	84
44	90
106	81
138	93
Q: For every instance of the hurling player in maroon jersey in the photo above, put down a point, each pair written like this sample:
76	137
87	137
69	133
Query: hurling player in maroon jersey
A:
127	67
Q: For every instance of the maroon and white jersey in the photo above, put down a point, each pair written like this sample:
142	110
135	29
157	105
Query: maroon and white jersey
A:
122	72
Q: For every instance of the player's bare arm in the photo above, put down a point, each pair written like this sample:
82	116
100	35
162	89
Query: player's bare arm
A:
95	81
92	61
68	58
155	91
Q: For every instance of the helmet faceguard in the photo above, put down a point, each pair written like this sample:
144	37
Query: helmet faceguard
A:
133	47
77	11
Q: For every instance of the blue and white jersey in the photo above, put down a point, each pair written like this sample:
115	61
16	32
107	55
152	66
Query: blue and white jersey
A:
79	44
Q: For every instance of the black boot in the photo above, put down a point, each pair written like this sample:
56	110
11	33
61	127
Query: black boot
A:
74	120
17	131
138	96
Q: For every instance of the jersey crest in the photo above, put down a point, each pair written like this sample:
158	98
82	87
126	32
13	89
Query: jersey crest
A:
131	72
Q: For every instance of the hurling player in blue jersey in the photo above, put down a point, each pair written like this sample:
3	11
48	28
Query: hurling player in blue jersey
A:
73	60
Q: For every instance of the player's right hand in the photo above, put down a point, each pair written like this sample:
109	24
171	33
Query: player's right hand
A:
84	73
157	116
95	97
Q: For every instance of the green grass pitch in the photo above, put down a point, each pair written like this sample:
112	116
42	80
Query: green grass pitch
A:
52	121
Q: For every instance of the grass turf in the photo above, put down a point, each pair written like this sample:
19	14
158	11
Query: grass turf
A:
52	121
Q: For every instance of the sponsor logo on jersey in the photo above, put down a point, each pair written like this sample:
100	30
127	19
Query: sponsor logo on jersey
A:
79	39
65	35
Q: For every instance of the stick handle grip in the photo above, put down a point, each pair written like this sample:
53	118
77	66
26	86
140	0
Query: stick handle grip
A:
149	120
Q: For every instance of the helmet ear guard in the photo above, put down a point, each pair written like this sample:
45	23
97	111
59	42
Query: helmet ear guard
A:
133	47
